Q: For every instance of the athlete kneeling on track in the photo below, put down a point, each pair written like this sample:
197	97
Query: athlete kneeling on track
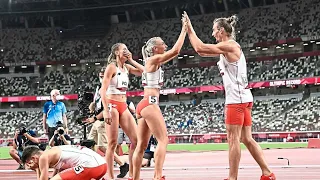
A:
69	163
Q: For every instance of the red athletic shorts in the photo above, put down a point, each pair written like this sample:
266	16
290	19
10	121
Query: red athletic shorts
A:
238	114
146	101
84	173
120	106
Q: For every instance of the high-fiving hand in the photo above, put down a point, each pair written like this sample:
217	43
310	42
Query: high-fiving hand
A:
186	19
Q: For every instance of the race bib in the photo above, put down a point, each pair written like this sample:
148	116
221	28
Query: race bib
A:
78	169
153	100
109	107
152	148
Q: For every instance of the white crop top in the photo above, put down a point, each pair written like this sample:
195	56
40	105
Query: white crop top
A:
153	79
119	83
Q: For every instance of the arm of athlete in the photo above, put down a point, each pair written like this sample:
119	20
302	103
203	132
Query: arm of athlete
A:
109	72
207	49
44	166
172	53
136	69
38	173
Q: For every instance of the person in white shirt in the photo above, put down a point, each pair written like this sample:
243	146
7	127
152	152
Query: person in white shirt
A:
233	68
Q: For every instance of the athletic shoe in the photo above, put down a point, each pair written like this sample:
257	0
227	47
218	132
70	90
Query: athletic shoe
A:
123	170
130	178
270	177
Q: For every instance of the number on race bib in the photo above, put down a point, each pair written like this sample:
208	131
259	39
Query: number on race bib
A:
153	100
78	169
109	107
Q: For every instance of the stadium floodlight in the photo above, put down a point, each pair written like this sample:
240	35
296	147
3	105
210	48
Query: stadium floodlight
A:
312	41
252	50
73	65
264	49
305	44
97	63
290	46
278	47
48	65
318	42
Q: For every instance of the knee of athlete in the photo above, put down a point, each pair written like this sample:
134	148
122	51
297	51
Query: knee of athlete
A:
163	141
112	145
12	152
233	138
246	140
133	142
141	147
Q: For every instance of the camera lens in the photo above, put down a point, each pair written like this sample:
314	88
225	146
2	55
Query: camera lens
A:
61	131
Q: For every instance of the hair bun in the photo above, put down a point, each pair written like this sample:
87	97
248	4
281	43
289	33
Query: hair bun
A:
232	20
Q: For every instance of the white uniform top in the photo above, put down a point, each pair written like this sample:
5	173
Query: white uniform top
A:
153	79
235	81
72	156
119	82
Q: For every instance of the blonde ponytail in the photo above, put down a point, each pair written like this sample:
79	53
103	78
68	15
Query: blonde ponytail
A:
144	53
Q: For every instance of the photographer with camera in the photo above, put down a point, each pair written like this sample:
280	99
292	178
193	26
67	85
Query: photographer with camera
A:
60	137
22	139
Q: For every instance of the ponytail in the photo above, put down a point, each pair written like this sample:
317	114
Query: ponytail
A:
144	53
232	20
112	56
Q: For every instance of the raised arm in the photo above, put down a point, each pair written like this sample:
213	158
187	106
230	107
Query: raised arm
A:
172	53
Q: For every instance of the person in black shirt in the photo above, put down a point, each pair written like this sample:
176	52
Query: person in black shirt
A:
22	138
149	152
60	137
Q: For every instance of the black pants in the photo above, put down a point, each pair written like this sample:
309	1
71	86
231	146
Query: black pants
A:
51	132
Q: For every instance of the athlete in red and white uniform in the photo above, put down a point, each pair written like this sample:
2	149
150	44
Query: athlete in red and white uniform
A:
114	84
233	68
70	162
150	119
